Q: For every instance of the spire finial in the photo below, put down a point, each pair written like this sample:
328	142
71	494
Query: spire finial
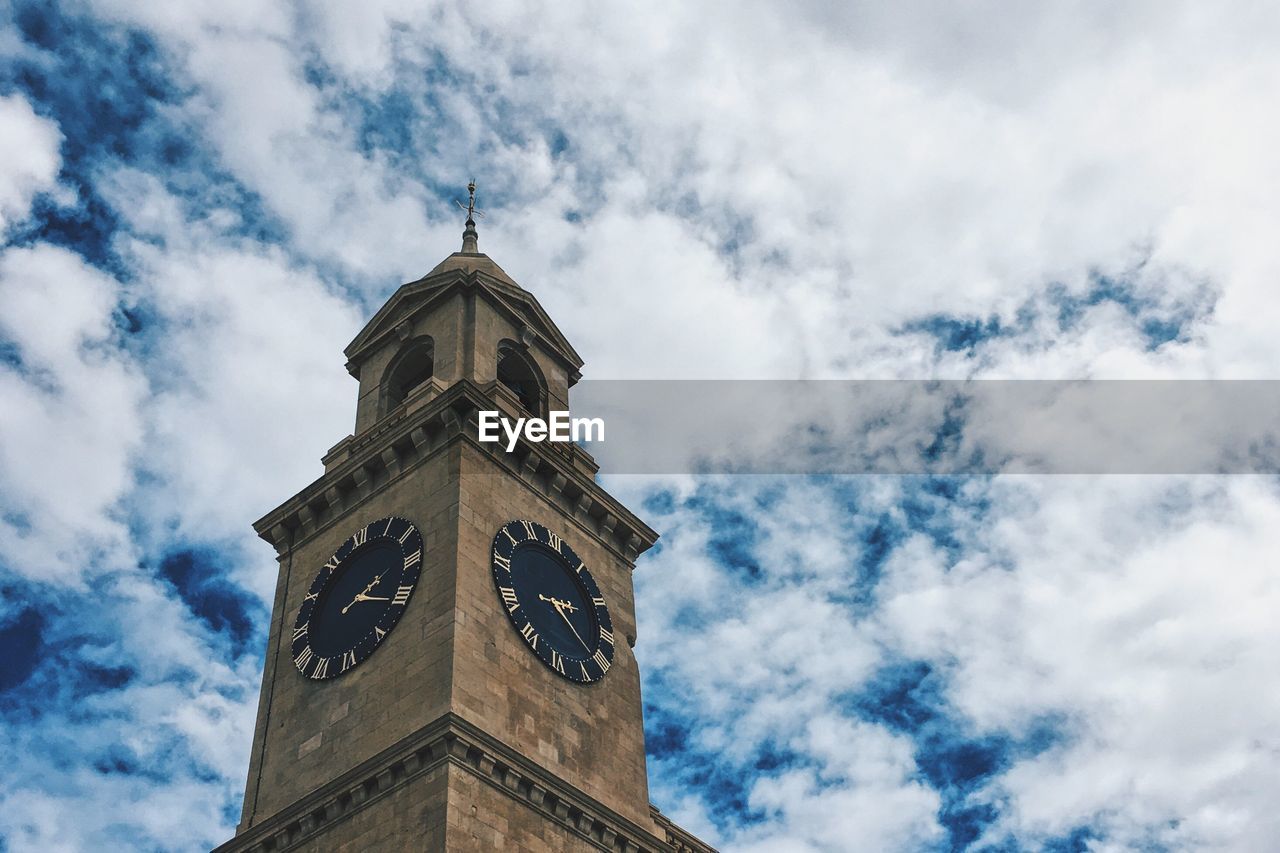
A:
470	238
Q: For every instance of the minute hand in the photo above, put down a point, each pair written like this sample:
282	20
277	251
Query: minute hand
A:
557	605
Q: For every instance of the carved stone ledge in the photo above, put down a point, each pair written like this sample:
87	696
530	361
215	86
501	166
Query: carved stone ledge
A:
510	778
632	547
452	740
582	507
333	495
607	522
529	466
390	461
361	477
307	518
281	538
403	441
452	423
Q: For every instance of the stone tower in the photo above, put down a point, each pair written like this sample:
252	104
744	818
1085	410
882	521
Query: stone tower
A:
447	726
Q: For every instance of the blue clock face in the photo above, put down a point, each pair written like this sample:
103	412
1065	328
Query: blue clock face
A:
552	601
357	598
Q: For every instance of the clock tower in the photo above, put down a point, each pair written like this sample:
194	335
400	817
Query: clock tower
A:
449	664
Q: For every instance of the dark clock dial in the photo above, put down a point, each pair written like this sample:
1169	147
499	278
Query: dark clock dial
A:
357	598
552	601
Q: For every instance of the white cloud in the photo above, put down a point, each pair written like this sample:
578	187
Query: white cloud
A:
1131	613
29	156
242	339
762	192
1139	609
252	346
277	135
97	766
1131	616
71	417
869	168
868	797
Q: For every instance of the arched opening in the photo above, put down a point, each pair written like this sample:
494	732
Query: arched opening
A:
518	372
409	370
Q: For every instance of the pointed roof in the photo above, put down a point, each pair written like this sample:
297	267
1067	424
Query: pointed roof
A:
472	262
463	269
470	266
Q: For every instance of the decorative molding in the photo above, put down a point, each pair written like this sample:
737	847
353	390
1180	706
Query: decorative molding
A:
680	839
279	537
452	740
399	443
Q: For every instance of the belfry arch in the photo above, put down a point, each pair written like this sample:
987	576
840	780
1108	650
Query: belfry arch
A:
520	374
411	368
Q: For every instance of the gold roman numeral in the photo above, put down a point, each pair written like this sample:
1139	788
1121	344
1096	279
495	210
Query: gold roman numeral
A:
311	596
586	676
507	532
598	601
505	562
557	661
412	559
333	563
606	636
299	633
322	668
386	531
530	635
529	531
303	658
361	536
509	598
601	661
402	595
348	660
378	632
407	533
553	540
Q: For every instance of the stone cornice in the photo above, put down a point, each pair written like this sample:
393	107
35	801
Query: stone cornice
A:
451	739
678	838
562	474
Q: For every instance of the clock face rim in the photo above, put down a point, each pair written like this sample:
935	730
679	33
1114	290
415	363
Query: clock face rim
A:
378	532
518	533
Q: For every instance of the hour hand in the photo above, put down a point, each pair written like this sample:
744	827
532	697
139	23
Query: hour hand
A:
364	594
561	607
362	597
557	603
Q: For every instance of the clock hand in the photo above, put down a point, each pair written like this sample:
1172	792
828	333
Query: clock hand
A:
558	604
364	595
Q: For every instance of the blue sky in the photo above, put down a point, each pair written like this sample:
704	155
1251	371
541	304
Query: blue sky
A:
199	208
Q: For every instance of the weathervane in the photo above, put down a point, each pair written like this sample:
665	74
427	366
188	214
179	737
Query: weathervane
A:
470	206
469	236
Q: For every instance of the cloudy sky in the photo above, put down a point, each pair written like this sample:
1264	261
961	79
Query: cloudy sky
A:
200	204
